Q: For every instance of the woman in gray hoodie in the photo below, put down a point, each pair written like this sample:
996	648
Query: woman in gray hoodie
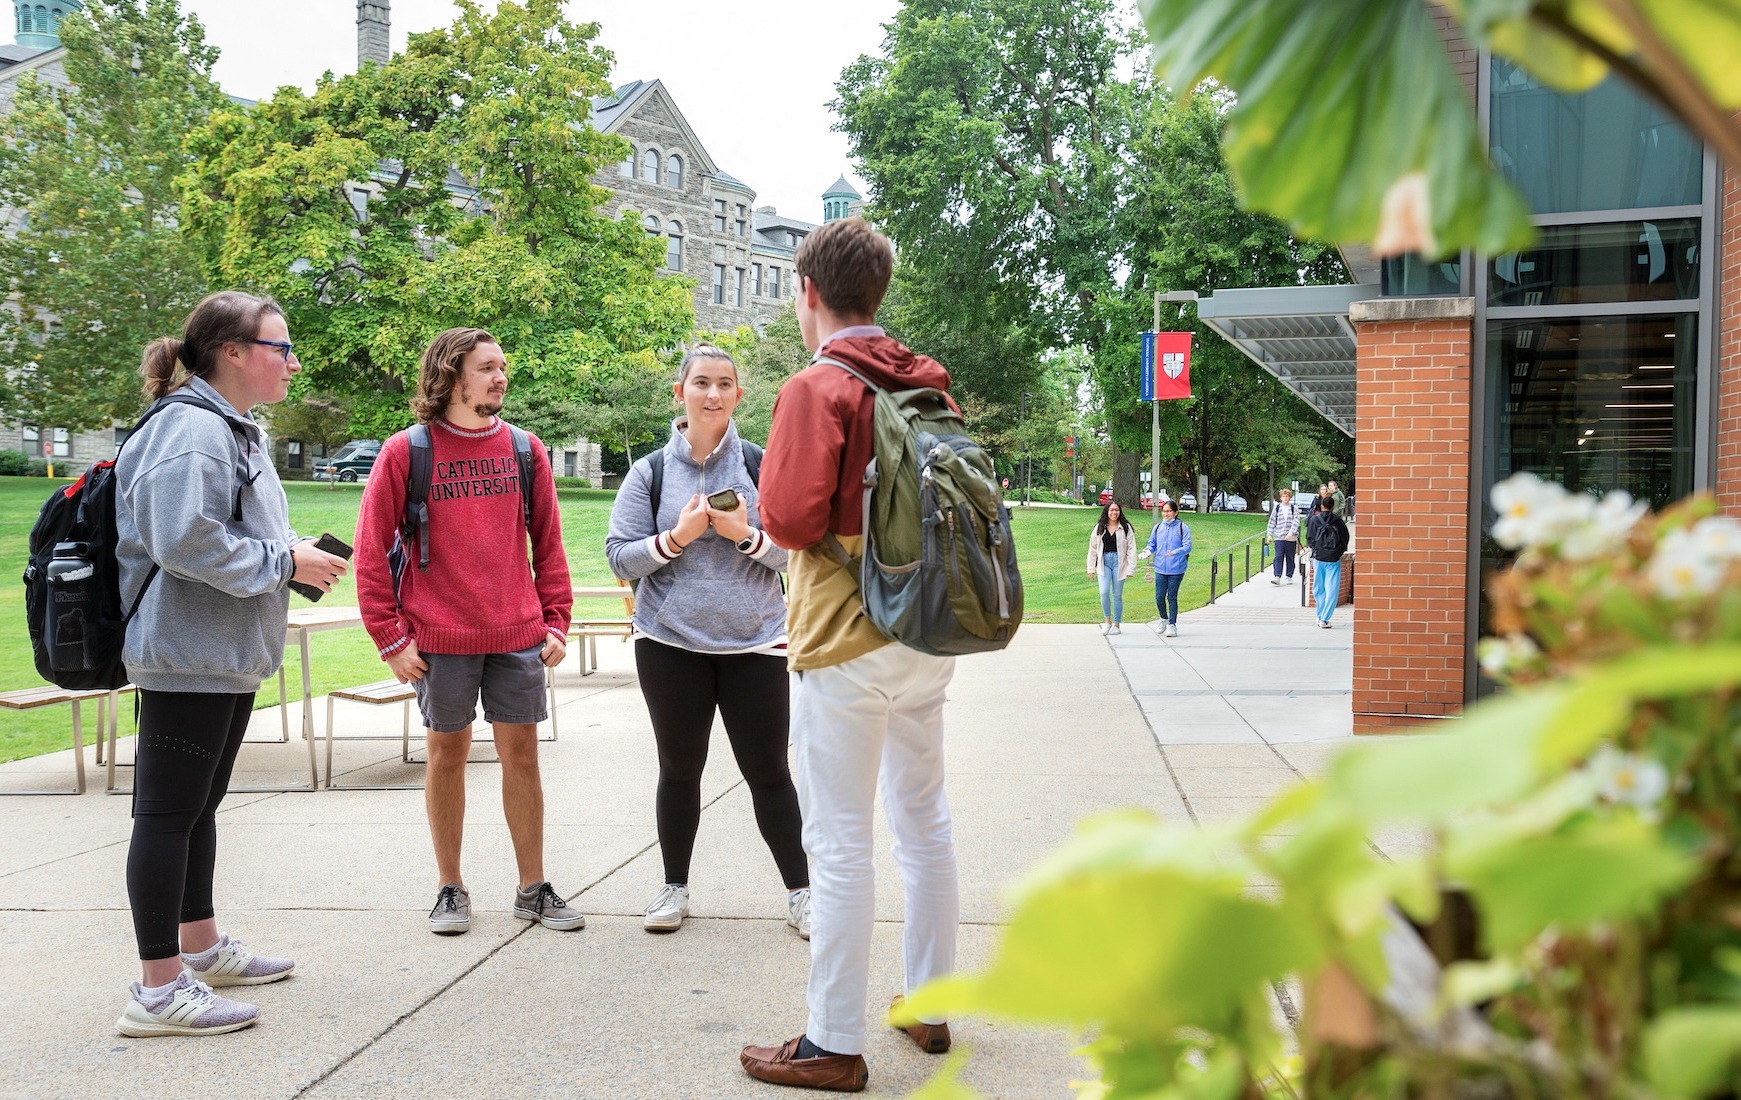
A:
207	553
710	628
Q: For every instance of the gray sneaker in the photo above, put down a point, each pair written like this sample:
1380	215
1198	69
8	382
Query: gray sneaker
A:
231	963
453	911
543	904
667	911
798	912
189	1008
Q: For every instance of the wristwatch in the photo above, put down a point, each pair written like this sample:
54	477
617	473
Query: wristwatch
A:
747	543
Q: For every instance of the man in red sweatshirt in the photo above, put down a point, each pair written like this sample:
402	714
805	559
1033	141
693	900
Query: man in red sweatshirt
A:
860	705
483	618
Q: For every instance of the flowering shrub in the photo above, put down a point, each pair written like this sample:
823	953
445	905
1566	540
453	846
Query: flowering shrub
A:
1588	820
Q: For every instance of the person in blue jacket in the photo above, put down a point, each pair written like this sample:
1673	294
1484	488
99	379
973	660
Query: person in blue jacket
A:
1170	546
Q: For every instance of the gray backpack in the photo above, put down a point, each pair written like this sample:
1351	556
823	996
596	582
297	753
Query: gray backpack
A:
939	568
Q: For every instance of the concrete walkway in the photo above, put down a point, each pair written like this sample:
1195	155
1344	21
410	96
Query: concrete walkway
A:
1063	725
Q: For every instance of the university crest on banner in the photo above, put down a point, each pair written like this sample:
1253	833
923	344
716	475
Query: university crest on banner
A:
1166	366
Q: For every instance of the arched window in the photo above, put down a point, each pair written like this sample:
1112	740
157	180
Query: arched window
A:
674	245
674	171
650	166
650	223
627	168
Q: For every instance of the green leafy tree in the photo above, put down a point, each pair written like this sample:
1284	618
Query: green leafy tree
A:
1352	124
765	361
632	405
319	419
94	266
993	138
450	186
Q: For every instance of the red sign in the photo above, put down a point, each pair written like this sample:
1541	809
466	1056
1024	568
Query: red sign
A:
1172	366
48	448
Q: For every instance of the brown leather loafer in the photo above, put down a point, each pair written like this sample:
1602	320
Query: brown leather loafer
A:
930	1038
781	1066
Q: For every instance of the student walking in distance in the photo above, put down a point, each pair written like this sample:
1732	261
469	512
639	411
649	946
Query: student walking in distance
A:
1170	546
866	714
474	614
1284	534
710	629
205	548
1338	500
1327	536
1112	558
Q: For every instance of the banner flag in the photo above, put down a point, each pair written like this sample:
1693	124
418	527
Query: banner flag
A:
1146	368
1170	366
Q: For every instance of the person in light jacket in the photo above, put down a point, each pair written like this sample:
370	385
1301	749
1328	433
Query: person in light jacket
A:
1112	558
1170	546
1284	534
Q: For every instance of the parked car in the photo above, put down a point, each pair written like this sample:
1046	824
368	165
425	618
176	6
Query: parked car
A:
355	459
1187	502
1227	502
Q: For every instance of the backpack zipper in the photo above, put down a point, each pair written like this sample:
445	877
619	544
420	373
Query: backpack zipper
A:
995	529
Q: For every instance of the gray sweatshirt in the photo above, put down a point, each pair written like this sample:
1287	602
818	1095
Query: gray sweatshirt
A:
213	620
711	597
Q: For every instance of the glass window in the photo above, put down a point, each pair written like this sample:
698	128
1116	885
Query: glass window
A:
674	245
742	228
1413	276
63	443
1606	149
121	434
650	166
1595	403
740	287
756	279
627	168
568	460
32	440
673	171
650	223
1617	262
719	223
773	282
719	284
293	454
719	206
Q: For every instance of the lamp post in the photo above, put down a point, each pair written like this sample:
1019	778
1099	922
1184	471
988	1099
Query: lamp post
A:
1027	454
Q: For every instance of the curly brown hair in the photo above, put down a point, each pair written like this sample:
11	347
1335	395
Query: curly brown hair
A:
440	369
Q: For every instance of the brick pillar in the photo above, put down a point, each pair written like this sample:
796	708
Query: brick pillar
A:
1728	472
1411	468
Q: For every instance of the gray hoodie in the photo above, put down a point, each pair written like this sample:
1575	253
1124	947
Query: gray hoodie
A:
712	597
213	620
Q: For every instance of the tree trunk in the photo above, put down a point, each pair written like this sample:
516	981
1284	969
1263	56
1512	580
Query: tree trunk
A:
1126	486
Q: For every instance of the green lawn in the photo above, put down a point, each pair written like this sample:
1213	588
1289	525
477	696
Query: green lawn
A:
1052	543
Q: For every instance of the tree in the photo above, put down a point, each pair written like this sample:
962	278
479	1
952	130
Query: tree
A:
992	135
632	404
764	363
450	186
96	267
318	419
1352	124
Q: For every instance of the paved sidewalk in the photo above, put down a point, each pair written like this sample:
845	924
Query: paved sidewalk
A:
1063	725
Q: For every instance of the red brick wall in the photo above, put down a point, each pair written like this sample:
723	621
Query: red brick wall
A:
1729	342
1411	444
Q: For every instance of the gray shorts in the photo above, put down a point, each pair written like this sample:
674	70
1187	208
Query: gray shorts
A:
512	684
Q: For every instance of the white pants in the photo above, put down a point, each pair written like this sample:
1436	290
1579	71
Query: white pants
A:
881	713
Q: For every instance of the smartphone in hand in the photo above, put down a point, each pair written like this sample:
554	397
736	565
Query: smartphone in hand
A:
726	500
333	545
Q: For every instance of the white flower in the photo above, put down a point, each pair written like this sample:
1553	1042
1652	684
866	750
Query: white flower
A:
1718	536
1502	655
1629	779
1533	512
1690	563
1603	526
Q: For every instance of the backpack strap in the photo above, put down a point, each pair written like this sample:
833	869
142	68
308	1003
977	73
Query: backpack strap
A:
238	429
422	468
523	459
752	461
837	363
655	481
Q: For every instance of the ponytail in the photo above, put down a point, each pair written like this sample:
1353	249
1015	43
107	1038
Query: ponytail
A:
162	356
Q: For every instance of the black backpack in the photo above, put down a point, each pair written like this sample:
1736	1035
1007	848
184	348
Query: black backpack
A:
414	524
1327	535
72	581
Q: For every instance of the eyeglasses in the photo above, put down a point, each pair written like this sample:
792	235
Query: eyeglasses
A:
284	346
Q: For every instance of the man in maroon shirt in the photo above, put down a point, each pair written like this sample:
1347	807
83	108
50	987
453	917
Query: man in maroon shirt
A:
482	618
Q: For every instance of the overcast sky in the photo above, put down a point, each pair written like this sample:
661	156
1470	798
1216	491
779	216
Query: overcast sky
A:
754	87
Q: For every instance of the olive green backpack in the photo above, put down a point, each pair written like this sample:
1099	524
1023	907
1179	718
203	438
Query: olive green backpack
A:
938	573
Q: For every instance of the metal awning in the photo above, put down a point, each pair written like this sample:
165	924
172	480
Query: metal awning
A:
1300	334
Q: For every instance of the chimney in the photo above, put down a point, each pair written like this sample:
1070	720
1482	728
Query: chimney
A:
372	24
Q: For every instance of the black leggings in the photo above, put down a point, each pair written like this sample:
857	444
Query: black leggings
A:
682	689
186	746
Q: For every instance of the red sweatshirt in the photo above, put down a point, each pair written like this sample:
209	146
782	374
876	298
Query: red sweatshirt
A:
812	482
481	594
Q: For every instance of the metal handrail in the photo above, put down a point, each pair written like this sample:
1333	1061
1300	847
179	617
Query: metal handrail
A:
1215	562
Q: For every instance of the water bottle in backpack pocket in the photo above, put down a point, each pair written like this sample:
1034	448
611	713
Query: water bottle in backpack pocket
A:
73	607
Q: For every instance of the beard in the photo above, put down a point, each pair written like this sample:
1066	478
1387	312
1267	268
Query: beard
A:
489	406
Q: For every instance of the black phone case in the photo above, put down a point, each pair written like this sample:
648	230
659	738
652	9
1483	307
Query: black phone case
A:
332	544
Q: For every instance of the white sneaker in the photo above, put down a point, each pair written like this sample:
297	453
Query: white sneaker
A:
1158	626
1275	580
1114	629
231	963
190	1008
1106	628
666	912
1172	630
798	912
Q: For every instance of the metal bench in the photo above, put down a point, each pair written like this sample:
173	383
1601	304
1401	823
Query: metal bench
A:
379	694
49	696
